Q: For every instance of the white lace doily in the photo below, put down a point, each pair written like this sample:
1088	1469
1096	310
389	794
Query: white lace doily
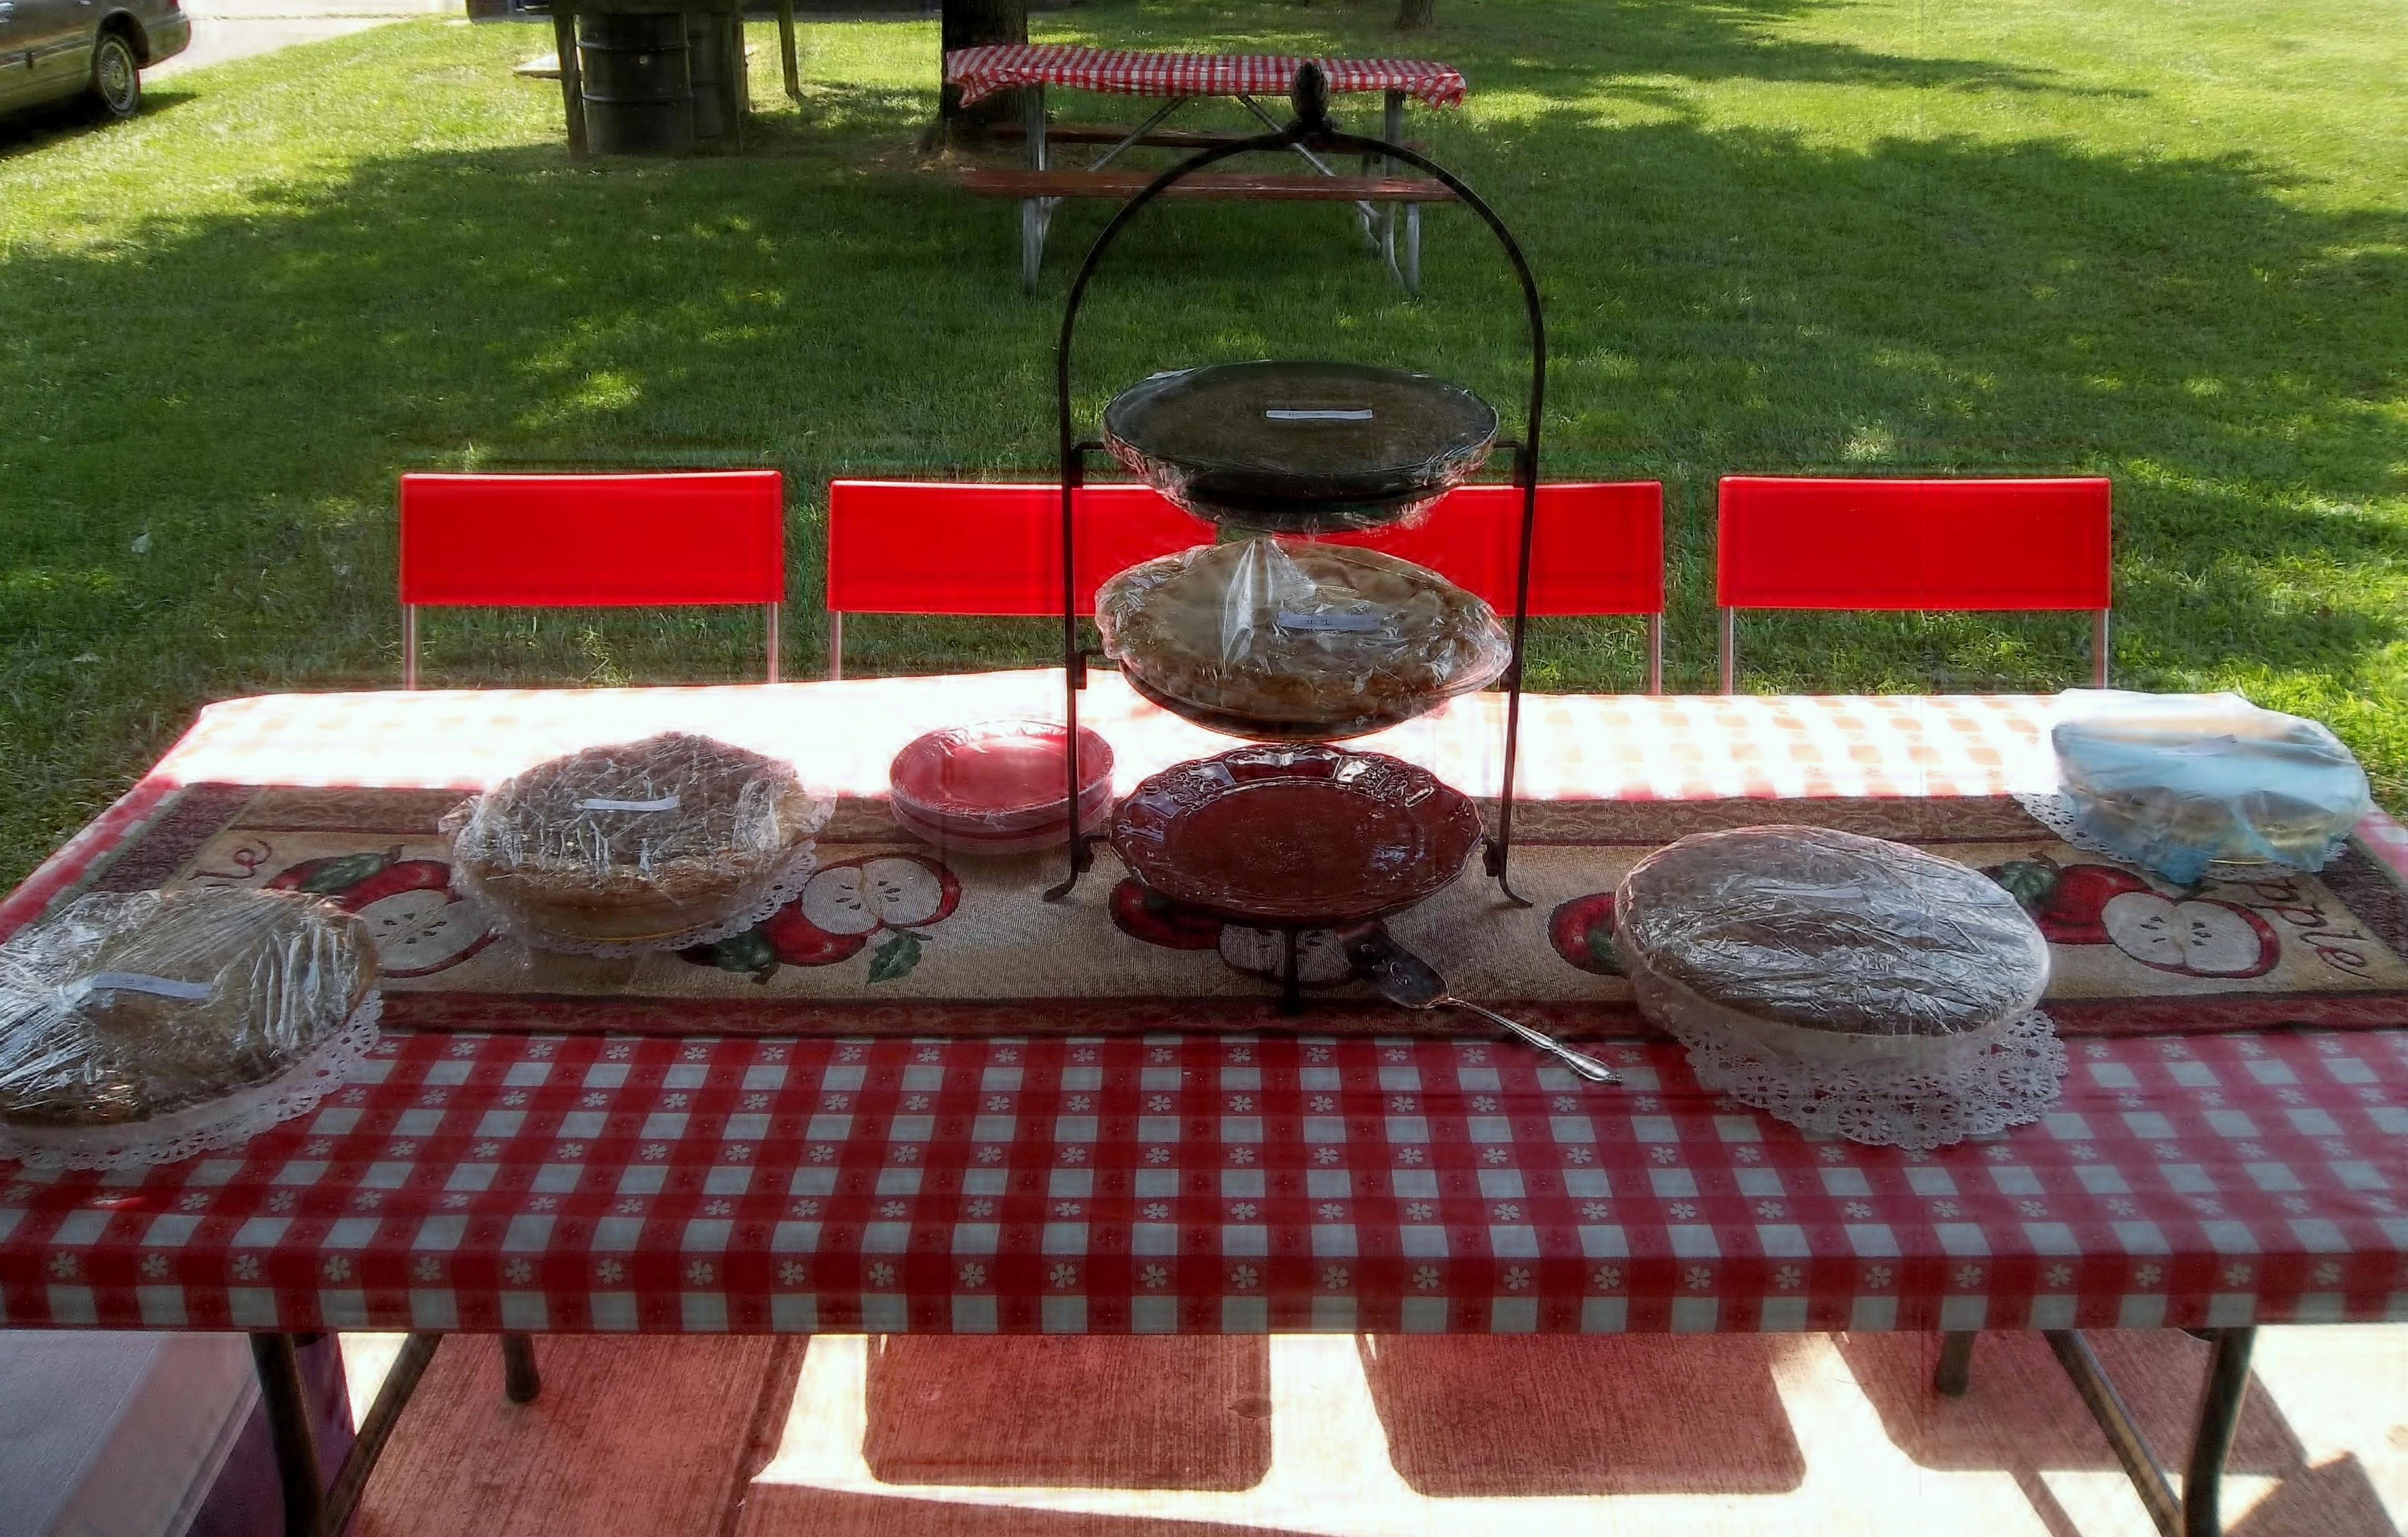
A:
784	887
2049	808
200	1128
2010	1082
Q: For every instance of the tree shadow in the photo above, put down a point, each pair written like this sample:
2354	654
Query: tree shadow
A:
1720	301
1555	48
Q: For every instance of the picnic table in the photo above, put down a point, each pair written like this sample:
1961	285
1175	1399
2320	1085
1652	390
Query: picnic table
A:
1044	1124
1178	79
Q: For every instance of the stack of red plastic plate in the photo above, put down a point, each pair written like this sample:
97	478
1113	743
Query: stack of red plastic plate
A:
995	787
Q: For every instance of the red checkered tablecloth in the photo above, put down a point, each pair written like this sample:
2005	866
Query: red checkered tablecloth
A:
1195	1184
1214	1184
1002	66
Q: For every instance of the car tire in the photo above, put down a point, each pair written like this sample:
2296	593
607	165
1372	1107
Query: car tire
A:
115	89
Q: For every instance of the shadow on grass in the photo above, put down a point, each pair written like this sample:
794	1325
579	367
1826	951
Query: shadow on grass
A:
1720	301
36	128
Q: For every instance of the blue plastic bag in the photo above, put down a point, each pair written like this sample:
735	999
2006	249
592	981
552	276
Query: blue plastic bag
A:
2177	781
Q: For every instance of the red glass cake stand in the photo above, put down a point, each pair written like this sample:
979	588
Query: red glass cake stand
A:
1296	837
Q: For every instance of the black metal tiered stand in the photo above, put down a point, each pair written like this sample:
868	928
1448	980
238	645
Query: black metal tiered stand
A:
1312	130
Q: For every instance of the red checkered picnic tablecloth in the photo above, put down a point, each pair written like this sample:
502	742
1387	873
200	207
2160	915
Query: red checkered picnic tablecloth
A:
1231	1184
1142	1184
1001	67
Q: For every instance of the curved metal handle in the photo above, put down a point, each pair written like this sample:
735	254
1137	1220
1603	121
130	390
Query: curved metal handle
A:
1587	1067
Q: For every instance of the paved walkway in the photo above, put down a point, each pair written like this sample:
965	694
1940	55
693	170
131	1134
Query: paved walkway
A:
233	29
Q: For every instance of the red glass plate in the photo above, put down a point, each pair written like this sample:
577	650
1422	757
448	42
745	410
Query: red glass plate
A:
996	777
950	840
1306	835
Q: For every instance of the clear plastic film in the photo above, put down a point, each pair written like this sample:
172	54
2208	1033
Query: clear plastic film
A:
1820	943
638	842
1277	639
123	1008
2178	781
1291	447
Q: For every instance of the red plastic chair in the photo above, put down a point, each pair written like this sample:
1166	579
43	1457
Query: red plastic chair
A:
970	548
1598	548
1937	546
979	548
601	540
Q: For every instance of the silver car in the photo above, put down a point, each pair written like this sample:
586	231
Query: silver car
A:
59	50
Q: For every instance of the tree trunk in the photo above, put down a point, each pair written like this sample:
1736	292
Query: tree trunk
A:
970	23
1414	15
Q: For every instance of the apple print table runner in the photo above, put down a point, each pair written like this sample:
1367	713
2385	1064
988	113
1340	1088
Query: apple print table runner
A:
1236	1180
892	937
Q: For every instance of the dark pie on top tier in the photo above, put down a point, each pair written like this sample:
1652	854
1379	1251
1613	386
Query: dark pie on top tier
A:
128	1007
634	841
1297	639
1827	943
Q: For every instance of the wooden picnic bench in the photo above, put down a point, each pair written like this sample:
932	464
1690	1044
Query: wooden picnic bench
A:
1378	194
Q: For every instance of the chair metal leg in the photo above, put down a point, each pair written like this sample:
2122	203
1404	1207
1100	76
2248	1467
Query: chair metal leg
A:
1730	649
770	611
2220	1398
520	1378
2196	1512
1955	1373
409	645
276	1358
836	647
1654	654
376	1427
2098	638
308	1512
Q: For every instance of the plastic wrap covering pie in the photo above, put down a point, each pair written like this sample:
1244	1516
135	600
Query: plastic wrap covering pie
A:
643	840
1827	944
127	1007
1295	446
2177	781
1294	641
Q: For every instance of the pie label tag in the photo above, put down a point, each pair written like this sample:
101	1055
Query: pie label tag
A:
1355	621
1303	413
136	982
603	803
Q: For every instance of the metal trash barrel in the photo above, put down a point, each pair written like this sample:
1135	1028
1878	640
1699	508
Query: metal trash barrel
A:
639	87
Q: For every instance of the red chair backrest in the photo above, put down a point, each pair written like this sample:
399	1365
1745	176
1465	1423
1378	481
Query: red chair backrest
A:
1957	544
574	540
1598	547
974	548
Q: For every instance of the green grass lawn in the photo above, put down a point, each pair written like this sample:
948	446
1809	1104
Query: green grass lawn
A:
2164	242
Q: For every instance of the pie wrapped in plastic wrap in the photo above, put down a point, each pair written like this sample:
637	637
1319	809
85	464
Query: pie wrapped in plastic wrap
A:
641	842
1817	943
125	1009
1280	640
2178	781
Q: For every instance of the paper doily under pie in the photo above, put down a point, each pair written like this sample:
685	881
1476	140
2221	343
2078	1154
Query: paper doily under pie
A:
204	1128
2011	1082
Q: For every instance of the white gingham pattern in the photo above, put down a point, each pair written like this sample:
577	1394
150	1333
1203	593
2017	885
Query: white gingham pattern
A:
1002	66
694	1186
1206	1183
